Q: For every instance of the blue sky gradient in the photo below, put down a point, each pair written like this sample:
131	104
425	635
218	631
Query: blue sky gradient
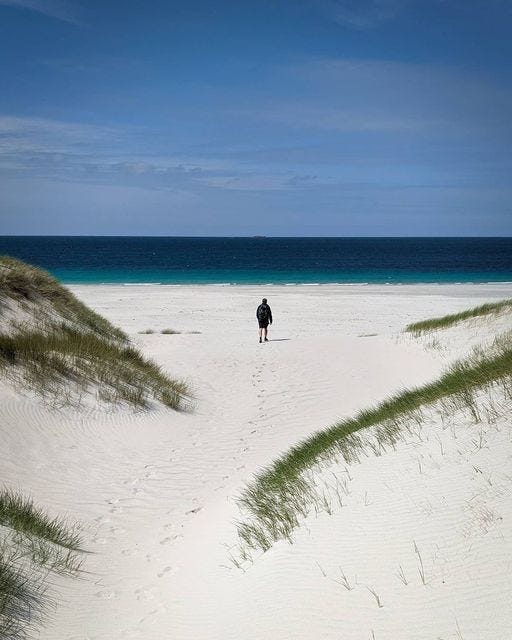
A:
312	117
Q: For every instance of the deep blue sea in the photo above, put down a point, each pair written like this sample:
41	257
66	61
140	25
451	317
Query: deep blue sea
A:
266	260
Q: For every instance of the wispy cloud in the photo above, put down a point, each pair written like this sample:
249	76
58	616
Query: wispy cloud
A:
351	96
58	9
371	121
363	14
54	150
341	120
262	182
39	135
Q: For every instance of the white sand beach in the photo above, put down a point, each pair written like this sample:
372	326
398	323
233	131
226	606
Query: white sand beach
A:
421	548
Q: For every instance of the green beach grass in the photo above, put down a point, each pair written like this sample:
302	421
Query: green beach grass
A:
450	320
33	546
165	332
69	350
69	361
19	514
279	497
26	284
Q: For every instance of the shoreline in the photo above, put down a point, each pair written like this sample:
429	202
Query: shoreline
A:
287	284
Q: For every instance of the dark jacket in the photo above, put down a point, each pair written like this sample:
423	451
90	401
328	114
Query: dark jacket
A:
263	312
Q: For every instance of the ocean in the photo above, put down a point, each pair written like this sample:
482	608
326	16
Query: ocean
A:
292	261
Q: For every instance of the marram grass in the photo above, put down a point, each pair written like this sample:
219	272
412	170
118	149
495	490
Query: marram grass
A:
278	498
33	546
450	320
20	599
31	285
21	515
56	362
69	350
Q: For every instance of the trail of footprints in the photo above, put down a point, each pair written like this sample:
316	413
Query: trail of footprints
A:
110	531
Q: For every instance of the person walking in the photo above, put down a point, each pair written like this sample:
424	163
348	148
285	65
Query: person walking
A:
264	316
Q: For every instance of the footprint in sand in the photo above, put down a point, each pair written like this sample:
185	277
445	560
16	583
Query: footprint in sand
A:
164	571
116	510
151	614
107	595
165	540
117	530
196	510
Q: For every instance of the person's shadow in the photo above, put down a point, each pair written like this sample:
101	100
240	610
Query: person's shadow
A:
278	339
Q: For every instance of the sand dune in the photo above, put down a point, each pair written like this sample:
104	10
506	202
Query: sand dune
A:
156	492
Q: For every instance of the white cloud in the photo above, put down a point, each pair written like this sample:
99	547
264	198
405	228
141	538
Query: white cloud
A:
341	120
76	152
363	14
385	97
43	146
14	125
260	182
58	9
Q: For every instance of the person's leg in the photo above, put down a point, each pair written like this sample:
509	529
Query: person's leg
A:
260	331
265	334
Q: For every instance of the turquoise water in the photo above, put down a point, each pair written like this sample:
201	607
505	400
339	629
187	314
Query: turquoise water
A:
266	260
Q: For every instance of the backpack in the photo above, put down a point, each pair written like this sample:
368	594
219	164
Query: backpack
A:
262	312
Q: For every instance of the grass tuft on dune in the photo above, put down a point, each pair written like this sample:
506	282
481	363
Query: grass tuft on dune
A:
65	350
64	363
281	495
33	546
31	286
21	515
450	320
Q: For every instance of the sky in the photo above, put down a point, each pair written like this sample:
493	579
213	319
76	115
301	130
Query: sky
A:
256	117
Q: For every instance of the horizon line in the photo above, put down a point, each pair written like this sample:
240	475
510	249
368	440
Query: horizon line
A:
260	237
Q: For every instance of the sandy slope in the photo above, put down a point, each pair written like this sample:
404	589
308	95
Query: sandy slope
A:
156	491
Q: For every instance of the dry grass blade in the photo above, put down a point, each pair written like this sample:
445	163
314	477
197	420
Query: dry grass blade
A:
276	501
68	350
19	513
450	320
26	283
32	547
